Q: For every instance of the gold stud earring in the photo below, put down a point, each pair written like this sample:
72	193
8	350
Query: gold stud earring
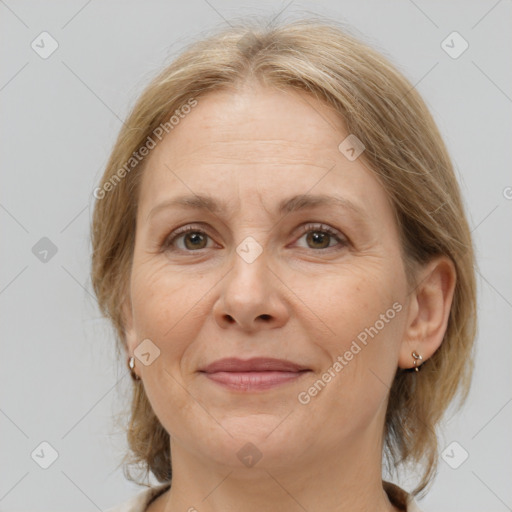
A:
416	358
131	366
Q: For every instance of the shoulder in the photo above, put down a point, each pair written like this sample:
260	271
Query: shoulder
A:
413	506
400	498
140	501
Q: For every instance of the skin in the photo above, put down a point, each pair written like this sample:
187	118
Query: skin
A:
302	299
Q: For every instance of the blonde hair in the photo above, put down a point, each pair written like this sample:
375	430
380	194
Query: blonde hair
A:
403	148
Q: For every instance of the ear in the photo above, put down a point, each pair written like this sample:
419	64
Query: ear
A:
428	312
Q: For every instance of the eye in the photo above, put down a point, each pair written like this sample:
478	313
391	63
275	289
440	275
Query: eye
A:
193	237
319	236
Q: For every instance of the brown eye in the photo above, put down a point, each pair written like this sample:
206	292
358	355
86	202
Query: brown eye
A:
318	239
193	239
319	236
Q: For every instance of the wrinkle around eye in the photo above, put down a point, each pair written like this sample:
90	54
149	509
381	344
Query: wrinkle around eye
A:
356	235
341	241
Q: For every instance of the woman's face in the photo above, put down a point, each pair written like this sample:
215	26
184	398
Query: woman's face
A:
317	283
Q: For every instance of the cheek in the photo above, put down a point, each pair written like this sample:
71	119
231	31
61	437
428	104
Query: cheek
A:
350	392
365	316
163	299
165	310
353	299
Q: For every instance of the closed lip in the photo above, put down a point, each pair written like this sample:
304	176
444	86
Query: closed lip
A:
255	364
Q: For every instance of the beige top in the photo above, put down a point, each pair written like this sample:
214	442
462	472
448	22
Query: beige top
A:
141	501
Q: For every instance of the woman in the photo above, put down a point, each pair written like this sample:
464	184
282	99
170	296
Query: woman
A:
280	243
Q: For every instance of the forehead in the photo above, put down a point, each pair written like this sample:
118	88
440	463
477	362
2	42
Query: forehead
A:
257	113
264	124
258	140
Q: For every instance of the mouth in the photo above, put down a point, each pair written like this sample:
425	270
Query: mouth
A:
255	374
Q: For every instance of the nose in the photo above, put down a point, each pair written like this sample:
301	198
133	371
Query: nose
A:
251	296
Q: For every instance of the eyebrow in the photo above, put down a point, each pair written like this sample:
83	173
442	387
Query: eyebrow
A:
286	206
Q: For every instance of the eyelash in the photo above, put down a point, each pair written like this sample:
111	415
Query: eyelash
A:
321	228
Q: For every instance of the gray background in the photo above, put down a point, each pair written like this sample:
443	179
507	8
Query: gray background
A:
60	382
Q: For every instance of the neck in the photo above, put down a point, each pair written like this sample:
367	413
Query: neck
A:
339	480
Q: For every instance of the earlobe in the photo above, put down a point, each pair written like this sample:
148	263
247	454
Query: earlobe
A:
429	311
130	337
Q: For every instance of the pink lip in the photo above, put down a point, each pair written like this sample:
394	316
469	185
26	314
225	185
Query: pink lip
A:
253	374
255	364
253	381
